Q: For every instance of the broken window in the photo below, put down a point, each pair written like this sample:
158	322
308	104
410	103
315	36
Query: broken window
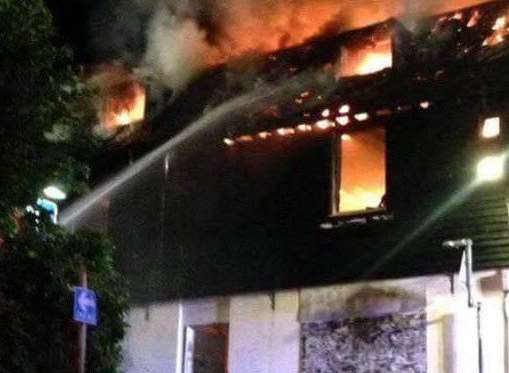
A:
359	172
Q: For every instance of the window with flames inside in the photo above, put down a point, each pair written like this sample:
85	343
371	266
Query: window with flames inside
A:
359	172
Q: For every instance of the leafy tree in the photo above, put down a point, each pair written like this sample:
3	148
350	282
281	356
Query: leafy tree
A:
37	274
43	140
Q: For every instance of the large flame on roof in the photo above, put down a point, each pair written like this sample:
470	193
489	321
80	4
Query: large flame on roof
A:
187	37
267	26
367	59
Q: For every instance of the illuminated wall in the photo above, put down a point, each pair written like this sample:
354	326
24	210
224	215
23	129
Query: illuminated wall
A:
378	326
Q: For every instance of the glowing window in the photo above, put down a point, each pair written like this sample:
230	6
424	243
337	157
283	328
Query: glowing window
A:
491	128
361	178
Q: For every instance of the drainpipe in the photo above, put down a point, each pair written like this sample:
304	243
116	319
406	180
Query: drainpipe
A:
505	305
466	266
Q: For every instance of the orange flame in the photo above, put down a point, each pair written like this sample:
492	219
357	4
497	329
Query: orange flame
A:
500	31
366	60
269	26
474	19
124	106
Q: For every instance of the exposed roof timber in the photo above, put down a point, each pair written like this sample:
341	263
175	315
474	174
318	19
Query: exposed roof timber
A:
361	13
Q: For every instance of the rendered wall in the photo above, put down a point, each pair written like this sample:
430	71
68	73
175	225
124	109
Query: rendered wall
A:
264	334
151	342
265	330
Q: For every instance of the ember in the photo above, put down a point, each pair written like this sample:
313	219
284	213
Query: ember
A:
304	128
344	109
474	19
343	120
286	131
245	138
324	124
500	31
361	117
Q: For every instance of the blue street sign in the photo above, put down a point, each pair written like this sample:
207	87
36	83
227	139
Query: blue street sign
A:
85	306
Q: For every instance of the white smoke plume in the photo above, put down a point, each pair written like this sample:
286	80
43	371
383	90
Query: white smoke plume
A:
175	48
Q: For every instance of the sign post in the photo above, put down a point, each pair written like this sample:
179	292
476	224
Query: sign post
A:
85	312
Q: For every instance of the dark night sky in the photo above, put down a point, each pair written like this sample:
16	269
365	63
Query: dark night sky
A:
72	19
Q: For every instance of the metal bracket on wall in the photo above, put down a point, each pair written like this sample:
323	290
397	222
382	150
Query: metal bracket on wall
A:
272	296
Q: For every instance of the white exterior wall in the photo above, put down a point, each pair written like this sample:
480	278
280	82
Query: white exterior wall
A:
152	338
452	326
265	333
206	311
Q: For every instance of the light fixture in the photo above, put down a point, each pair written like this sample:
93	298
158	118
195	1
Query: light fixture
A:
54	193
491	128
346	137
326	113
490	168
264	135
229	142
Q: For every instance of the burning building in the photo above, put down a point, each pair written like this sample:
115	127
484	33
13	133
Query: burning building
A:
331	204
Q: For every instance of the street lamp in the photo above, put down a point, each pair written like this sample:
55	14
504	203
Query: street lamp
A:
490	168
55	193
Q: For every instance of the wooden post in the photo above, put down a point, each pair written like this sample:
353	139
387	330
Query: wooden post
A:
82	331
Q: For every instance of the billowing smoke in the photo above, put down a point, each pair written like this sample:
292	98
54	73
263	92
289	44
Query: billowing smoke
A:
176	47
171	41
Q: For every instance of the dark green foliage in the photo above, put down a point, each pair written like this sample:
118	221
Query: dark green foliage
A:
42	134
44	139
38	270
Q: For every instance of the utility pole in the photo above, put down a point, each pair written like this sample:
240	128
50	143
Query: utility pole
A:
466	246
82	329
